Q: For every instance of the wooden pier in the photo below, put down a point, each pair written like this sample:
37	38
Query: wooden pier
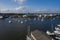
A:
39	35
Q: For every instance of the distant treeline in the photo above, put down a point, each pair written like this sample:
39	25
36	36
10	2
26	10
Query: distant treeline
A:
26	13
31	14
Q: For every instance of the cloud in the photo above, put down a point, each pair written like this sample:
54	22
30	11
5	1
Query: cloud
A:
25	9
20	1
21	9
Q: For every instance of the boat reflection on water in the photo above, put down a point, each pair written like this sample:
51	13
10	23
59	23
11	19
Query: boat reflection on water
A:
42	19
34	19
18	21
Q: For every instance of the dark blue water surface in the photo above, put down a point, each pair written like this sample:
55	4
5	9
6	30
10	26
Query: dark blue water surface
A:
17	30
46	24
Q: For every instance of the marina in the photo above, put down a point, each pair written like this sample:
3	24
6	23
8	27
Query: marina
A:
19	28
29	19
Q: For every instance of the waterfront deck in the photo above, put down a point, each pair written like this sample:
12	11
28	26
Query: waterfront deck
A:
39	35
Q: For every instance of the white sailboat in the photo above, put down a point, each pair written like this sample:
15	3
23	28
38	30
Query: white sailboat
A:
21	22
10	21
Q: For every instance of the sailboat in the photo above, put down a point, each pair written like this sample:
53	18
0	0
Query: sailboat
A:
10	21
21	22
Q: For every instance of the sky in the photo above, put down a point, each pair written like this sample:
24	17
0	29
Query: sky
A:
30	6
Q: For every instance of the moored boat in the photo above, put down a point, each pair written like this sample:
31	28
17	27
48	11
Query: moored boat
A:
56	32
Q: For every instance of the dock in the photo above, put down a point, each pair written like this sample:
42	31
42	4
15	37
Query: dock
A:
39	35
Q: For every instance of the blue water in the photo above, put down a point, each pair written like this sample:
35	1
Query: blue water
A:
17	30
46	24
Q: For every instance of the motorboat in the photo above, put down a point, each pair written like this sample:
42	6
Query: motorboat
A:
58	37
56	32
57	29
49	33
